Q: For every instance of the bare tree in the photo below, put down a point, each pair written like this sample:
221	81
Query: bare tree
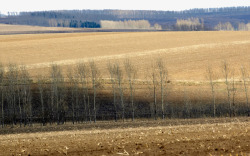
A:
131	76
83	75
224	26
41	82
130	24
211	82
244	77
2	74
226	75
56	86
234	91
94	76
119	77
153	85
73	85
111	69
11	77
25	92
19	95
163	81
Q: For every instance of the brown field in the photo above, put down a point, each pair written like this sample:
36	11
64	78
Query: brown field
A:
222	136
187	54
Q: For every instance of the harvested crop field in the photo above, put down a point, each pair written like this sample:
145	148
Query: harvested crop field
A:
220	136
187	54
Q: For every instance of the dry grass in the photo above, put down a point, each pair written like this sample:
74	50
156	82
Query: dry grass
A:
187	54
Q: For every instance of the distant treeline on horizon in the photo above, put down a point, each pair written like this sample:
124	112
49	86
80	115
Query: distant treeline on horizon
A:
210	18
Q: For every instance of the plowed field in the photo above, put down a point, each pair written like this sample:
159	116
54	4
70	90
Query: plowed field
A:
195	137
187	55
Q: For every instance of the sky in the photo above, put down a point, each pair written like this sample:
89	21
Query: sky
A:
42	5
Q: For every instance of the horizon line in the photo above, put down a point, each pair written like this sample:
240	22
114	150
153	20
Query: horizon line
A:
6	13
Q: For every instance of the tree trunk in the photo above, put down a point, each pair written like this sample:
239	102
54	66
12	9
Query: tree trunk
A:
41	98
2	102
89	110
155	107
94	101
162	99
132	100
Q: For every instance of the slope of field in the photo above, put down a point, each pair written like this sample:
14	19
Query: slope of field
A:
205	138
187	54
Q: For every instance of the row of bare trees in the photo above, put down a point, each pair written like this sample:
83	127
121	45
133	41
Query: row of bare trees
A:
16	94
231	89
190	24
229	27
224	27
129	24
81	95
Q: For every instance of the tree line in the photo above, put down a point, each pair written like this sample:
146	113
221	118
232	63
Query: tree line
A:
130	24
229	27
81	95
190	24
73	23
166	19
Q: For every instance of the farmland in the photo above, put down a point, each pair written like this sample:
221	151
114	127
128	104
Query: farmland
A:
170	137
187	54
58	100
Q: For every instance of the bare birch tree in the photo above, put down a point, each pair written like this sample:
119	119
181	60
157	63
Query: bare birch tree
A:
56	82
234	91
41	82
83	75
212	83
2	74
113	80
155	83
73	85
25	91
163	82
226	75
11	77
94	76
119	77
131	76
244	75
153	86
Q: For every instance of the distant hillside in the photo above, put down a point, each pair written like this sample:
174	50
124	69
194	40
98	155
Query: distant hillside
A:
2	15
166	19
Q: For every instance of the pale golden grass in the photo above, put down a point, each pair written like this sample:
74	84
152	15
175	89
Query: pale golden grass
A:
187	54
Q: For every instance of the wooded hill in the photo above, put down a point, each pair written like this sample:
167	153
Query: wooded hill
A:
166	19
